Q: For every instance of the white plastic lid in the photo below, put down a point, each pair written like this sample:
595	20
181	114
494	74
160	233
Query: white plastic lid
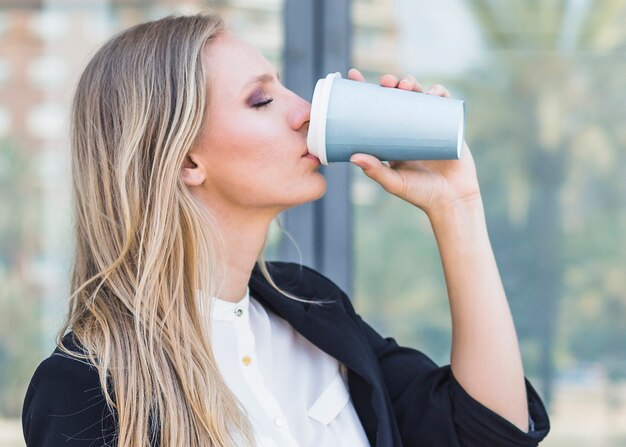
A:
459	143
316	138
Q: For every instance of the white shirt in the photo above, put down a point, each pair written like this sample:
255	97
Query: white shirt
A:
291	390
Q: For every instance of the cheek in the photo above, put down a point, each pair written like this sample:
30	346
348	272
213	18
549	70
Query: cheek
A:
247	162
248	152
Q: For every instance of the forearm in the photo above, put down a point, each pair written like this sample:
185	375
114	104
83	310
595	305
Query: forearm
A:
485	356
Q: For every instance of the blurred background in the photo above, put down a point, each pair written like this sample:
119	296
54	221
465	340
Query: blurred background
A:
545	88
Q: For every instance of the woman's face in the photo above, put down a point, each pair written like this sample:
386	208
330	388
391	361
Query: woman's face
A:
251	151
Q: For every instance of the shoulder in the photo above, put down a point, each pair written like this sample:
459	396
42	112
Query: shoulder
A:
64	402
303	281
65	372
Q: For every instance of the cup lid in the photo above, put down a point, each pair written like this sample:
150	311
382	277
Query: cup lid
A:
316	138
461	133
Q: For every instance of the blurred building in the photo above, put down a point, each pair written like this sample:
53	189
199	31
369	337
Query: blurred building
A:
44	46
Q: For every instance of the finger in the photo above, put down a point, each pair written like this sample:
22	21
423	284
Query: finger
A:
389	81
398	163
355	75
438	90
388	178
410	83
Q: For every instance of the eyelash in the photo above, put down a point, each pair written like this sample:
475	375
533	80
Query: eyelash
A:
263	104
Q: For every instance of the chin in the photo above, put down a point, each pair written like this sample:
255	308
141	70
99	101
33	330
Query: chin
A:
321	190
312	194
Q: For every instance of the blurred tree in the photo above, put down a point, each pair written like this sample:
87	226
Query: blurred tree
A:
400	288
543	62
20	328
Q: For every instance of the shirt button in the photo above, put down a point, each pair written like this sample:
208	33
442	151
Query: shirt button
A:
278	422
239	311
246	360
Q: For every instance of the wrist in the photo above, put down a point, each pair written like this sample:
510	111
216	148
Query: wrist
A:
459	225
452	210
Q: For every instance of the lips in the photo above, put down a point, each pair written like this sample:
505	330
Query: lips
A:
313	158
307	154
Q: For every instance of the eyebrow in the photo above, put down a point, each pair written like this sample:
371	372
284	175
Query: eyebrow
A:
265	77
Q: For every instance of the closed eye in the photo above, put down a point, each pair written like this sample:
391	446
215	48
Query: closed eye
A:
262	104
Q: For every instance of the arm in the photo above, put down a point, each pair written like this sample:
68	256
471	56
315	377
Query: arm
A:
485	353
433	409
430	407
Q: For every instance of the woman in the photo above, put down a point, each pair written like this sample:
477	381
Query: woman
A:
185	147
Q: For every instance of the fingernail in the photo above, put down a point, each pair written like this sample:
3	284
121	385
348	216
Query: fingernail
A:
359	163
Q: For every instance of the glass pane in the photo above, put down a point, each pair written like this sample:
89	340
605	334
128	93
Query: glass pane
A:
43	47
545	94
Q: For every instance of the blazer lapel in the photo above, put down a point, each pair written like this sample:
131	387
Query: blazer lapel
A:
331	329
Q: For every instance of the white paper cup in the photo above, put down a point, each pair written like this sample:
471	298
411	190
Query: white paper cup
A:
392	124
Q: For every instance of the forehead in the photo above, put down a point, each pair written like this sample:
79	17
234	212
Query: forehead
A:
230	58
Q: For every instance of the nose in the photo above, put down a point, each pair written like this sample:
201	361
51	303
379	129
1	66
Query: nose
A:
301	114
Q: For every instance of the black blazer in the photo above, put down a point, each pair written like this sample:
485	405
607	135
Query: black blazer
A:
401	397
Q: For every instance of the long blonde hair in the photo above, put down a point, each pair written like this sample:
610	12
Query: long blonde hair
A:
144	246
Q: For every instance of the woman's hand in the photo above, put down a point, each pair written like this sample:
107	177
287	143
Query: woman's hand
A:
431	185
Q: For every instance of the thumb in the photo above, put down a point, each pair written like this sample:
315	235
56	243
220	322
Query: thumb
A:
387	177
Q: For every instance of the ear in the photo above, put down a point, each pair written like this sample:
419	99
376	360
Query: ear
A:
192	171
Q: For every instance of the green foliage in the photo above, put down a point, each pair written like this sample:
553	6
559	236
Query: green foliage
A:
20	326
546	127
550	149
399	286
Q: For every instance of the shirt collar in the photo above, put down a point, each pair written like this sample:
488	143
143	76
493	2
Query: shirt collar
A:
229	311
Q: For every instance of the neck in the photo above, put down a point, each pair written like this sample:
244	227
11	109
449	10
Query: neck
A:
244	237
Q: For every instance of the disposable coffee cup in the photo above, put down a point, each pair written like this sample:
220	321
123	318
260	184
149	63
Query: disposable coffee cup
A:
349	117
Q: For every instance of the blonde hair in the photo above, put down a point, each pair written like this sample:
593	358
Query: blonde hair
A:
144	245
